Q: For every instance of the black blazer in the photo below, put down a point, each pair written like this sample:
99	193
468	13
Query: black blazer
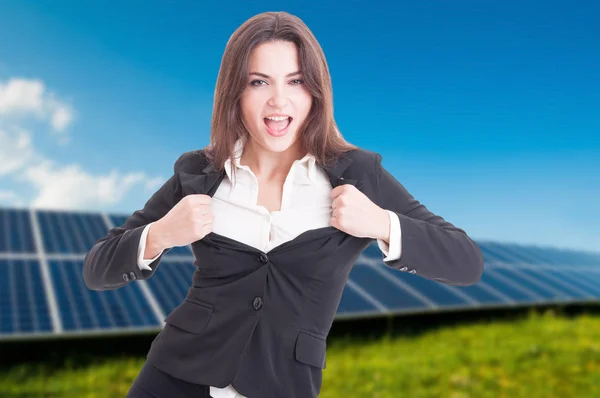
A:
260	320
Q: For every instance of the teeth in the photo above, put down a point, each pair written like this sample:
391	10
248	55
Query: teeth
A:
277	118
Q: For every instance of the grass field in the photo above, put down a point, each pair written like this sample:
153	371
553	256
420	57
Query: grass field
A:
540	355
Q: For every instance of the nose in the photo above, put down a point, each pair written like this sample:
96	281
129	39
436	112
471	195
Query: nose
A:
278	99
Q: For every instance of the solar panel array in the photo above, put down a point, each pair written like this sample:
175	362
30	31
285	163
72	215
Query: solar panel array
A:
42	292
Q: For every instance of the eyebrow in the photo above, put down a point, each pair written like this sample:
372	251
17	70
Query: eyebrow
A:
268	77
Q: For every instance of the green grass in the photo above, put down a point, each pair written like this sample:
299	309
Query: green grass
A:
538	356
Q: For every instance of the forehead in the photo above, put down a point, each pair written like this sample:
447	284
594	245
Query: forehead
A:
274	58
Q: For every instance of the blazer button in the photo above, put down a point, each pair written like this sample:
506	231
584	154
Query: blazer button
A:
404	268
257	303
412	271
264	258
132	275
126	277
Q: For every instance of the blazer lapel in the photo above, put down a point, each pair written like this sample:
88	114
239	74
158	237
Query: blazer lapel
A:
199	183
204	183
337	175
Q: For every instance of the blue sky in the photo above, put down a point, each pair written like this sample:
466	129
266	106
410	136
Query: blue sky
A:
486	111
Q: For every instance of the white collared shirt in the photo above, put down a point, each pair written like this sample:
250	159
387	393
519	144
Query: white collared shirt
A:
305	205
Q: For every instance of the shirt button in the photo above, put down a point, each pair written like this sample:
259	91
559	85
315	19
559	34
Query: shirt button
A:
126	277
257	303
264	258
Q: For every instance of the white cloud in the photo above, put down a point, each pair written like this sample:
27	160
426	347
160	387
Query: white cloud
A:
58	186
16	149
11	199
61	118
22	98
4	195
61	186
70	187
154	183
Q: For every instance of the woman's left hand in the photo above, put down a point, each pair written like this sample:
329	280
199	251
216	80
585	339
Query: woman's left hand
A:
355	214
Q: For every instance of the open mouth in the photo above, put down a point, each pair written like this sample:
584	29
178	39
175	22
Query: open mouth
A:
277	127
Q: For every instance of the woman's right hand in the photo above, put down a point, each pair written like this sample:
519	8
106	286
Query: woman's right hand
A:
191	219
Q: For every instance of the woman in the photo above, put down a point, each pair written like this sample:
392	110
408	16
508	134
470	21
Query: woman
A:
277	210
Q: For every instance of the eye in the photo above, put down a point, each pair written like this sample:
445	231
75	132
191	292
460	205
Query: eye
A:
253	82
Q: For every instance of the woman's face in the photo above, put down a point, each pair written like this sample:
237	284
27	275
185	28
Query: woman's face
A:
270	89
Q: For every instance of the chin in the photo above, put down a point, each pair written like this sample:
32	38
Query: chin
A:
278	144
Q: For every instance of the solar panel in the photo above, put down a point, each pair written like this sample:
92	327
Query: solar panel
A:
83	309
171	281
390	292
584	279
23	305
42	292
354	301
15	230
437	293
509	286
69	233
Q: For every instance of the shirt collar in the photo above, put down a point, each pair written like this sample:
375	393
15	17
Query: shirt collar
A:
309	159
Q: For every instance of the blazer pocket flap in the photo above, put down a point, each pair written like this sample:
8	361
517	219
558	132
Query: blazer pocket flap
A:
311	349
192	315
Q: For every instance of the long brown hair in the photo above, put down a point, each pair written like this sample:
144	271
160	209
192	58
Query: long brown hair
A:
319	133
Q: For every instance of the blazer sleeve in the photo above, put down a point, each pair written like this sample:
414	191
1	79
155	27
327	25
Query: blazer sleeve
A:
431	246
113	260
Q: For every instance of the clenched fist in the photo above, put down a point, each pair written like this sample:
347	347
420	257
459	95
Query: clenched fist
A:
191	219
354	213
